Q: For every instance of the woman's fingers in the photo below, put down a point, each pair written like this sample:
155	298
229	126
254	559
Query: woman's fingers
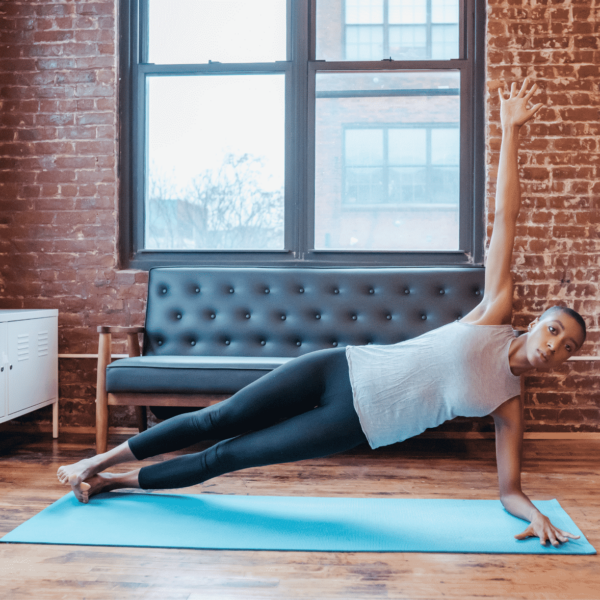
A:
552	538
531	92
548	534
513	89
525	534
523	89
500	94
534	109
568	535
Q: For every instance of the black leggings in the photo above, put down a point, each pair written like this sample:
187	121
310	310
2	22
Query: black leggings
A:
312	393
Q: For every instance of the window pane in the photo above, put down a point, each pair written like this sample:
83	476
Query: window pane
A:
196	31
215	165
445	146
408	11
364	159
444	185
364	42
444	11
444	42
407	146
408	42
364	147
376	184
408	185
364	186
364	11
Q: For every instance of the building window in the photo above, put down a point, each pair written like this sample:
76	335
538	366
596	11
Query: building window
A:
401	29
301	132
398	166
402	182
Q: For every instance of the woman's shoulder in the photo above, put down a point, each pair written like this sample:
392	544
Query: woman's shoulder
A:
487	314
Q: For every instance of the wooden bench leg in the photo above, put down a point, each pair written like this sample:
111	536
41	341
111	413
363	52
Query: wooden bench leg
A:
133	347
104	356
142	418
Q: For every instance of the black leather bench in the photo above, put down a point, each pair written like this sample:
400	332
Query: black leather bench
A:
211	331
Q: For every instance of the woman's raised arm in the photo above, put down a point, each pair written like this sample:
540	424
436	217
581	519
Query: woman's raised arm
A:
496	306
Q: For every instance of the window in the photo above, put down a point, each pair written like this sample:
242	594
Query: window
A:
301	132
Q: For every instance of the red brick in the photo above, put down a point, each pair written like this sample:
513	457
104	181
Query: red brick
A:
95	35
77	133
76	76
587	41
95	147
53	148
535	173
96	8
53	36
55	119
580	114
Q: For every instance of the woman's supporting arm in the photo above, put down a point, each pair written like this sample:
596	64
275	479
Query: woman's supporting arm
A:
508	419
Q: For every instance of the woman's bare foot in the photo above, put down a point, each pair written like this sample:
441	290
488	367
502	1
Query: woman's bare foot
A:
88	467
104	482
78	472
92	486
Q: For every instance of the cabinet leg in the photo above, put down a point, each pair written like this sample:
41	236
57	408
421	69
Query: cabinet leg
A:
55	419
142	418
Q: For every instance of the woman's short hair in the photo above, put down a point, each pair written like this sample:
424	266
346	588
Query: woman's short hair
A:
567	311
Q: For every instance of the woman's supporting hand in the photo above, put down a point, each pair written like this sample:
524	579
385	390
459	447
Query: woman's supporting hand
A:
542	528
514	111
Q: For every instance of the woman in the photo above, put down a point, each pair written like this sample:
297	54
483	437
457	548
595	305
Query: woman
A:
332	400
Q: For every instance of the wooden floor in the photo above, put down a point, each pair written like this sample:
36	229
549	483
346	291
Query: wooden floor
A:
566	470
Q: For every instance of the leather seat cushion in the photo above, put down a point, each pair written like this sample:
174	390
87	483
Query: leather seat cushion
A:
187	374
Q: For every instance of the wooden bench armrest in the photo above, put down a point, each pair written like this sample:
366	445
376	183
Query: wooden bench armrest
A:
104	351
117	330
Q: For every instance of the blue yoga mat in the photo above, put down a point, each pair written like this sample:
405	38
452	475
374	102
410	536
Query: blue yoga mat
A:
291	523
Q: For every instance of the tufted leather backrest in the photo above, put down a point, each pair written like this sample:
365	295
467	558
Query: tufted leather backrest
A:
289	312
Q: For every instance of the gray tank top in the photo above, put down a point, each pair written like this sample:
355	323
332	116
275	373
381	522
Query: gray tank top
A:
456	370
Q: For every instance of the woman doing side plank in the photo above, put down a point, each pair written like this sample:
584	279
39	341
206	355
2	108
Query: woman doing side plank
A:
332	400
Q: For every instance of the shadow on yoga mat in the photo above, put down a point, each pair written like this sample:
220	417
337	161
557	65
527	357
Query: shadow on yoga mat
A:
292	523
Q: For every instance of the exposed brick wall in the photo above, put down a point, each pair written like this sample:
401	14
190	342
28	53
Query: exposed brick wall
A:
58	182
556	258
59	185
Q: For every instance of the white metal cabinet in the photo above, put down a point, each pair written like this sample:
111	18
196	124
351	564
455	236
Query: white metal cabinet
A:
3	368
29	356
32	376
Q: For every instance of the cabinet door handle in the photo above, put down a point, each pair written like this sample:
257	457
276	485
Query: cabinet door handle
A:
1	369
11	367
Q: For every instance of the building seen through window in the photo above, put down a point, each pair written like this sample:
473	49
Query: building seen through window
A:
387	160
403	166
397	29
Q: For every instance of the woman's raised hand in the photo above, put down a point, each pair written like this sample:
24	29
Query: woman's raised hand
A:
542	527
513	110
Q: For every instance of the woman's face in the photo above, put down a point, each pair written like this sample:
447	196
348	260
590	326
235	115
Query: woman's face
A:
553	340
